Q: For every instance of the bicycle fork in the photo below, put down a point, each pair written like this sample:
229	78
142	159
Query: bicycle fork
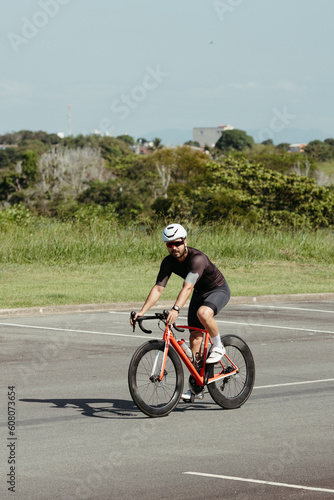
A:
154	375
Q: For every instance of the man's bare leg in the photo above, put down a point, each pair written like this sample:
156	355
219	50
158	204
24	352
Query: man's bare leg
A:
205	315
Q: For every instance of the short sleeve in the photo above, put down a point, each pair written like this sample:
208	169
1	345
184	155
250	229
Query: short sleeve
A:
164	273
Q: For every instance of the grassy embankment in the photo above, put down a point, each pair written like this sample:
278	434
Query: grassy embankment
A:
63	263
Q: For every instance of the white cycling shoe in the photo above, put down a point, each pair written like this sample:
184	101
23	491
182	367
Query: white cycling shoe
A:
216	354
186	396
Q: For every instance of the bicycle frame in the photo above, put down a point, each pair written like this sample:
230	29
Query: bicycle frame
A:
170	340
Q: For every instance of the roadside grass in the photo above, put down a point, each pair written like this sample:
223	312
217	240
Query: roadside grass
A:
39	285
64	263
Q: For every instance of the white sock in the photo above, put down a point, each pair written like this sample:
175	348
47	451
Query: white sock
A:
216	342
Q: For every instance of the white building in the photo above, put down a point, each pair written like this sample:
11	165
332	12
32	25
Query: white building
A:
296	148
208	136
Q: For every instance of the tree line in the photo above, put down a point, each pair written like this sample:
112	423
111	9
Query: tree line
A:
236	181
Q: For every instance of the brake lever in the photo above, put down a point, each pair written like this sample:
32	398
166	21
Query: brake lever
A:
140	322
133	314
165	313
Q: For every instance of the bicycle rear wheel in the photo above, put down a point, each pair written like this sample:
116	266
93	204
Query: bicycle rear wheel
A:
153	397
232	392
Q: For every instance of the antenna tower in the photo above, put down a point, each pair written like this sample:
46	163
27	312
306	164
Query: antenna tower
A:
69	119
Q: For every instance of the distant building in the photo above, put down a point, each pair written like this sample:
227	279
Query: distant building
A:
143	149
296	148
208	136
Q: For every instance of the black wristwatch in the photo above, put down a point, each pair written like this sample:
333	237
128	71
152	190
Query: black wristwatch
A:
176	308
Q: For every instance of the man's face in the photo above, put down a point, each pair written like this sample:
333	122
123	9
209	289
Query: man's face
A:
177	248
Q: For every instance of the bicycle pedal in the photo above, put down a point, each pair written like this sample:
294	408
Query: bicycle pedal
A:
197	396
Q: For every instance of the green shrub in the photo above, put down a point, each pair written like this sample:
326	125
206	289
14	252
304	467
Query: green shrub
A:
17	215
238	191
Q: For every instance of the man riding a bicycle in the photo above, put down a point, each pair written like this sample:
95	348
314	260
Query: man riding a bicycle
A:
210	290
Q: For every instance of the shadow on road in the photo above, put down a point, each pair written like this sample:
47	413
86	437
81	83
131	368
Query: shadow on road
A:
110	408
93	407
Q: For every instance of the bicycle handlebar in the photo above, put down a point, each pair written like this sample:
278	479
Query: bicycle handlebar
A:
160	316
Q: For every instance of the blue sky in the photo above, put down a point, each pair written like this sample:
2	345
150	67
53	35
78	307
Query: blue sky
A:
129	66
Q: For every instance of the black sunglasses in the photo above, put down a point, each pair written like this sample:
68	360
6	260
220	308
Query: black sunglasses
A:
172	244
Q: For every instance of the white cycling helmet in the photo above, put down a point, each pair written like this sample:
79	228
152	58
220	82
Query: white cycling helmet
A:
173	232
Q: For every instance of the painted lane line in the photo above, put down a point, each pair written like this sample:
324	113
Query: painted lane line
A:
259	325
287	307
75	331
262	326
294	383
258	481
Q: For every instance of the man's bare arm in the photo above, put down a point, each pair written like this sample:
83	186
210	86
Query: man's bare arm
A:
152	298
180	301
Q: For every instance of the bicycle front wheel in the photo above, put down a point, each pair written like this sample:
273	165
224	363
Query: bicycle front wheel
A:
154	397
232	392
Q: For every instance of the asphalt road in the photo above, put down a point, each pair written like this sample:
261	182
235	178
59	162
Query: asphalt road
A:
78	435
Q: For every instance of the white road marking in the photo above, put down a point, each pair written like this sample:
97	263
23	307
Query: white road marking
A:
288	307
259	325
294	383
76	331
258	481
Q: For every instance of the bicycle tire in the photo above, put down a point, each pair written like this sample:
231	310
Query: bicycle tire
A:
153	397
233	392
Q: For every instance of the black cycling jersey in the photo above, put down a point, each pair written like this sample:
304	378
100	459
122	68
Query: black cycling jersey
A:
196	269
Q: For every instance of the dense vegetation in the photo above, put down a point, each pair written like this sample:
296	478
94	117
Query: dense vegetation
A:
81	217
94	177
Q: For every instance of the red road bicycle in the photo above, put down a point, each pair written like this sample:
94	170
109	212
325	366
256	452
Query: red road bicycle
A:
156	376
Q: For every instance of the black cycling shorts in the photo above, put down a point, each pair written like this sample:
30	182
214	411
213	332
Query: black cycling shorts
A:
215	299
